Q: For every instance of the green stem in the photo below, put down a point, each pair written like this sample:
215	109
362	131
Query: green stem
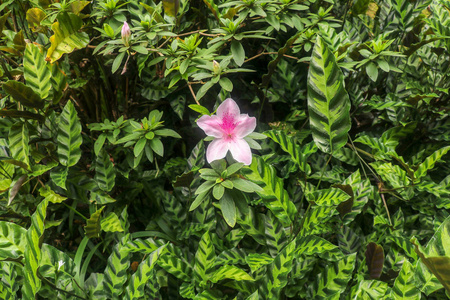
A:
75	211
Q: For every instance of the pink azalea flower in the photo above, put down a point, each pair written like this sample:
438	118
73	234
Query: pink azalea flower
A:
126	34
229	127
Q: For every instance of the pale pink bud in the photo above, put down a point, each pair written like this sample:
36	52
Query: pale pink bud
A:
126	34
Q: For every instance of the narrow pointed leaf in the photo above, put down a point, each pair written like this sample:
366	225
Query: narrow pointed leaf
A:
328	101
36	73
69	136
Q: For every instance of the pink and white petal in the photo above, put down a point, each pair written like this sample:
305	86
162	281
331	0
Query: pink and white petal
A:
241	152
216	150
245	126
211	125
230	108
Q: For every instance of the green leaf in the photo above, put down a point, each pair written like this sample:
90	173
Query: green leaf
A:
226	84
111	223
59	176
314	245
135	288
228	208
13	113
139	146
36	73
199	200
436	257
257	260
32	283
328	101
333	280
218	191
116	270
369	289
98	145
171	7
288	144
230	272
372	71
374	259
157	146
238	52
175	265
92	228
277	273
404	286
50	195
12	240
23	94
69	136
18	143
245	185
66	38
167	132
105	174
328	197
117	62
203	89
276	237
200	109
274	195
204	259
429	162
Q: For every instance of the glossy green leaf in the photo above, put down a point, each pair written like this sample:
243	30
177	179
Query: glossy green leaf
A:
429	162
111	223
69	136
32	256
274	196
23	94
67	37
92	228
328	101
333	280
298	154
105	174
238	52
12	240
436	257
230	272
50	195
116	270
18	143
404	285
135	288
36	73
369	289
204	259
277	273
276	237
228	208
314	245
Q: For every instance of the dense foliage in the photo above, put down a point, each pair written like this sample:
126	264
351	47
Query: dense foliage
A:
105	188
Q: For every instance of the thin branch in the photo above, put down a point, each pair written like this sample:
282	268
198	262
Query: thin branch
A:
193	94
269	53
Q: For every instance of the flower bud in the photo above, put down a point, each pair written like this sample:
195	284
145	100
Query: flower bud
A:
216	67
126	34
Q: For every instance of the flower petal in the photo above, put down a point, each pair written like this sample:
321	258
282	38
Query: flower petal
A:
211	125
216	150
241	152
230	108
245	126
